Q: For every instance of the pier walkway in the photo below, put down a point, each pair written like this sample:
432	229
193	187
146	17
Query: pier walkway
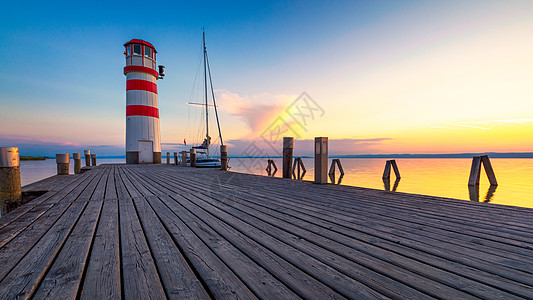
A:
163	231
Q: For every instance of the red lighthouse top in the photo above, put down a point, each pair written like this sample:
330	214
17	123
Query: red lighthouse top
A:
137	41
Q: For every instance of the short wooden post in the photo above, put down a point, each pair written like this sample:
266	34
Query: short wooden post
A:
388	165
184	158
77	162
321	160
395	168
192	157
337	162
176	158
87	154
63	161
488	169
288	147
475	170
168	158
224	157
93	159
10	194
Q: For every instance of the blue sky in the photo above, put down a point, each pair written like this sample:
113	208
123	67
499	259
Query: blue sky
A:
62	86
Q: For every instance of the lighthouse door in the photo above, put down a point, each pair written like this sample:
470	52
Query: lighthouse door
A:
146	152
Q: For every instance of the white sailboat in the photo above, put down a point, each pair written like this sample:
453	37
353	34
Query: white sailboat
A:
203	157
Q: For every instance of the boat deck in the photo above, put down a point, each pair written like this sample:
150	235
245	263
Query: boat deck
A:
162	231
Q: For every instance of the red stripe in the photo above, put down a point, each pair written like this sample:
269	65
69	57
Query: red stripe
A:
141	85
142	110
140	69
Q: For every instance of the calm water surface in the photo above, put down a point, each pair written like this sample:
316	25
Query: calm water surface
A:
437	177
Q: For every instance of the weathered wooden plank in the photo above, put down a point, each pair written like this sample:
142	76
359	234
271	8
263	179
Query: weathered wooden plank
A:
34	265
221	281
111	189
178	278
139	273
356	238
259	280
64	276
17	247
102	278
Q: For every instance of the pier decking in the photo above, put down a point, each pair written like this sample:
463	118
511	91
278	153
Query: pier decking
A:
162	231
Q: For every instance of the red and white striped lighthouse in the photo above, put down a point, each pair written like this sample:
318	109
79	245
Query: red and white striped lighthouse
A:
143	136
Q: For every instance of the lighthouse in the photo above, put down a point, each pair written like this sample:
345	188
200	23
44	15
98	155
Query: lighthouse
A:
143	135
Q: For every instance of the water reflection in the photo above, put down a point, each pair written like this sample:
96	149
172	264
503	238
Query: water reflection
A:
386	184
473	192
332	178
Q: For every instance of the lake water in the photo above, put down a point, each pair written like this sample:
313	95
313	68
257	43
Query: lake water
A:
437	177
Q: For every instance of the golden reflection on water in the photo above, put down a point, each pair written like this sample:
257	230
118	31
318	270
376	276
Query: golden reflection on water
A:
443	177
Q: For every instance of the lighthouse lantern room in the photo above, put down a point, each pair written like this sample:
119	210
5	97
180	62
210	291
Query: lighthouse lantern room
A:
143	136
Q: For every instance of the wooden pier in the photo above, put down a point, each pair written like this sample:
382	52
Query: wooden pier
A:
164	231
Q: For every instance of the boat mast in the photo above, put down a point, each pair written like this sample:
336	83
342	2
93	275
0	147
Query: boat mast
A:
205	91
214	102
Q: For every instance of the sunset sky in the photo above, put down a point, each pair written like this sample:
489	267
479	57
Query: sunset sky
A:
389	76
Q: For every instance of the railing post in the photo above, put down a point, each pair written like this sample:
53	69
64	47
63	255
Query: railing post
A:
192	158
288	147
224	157
77	162
62	161
321	160
9	178
87	154
93	158
176	158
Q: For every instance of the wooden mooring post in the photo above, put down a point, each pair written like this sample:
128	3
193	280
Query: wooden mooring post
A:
270	164
77	162
63	161
192	157
176	158
93	160
184	158
331	172
87	154
168	158
288	147
10	194
475	171
321	160
386	172
299	167
224	157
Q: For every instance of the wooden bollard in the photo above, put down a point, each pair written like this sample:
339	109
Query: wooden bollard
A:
388	165
321	160
176	158
63	162
192	158
87	154
10	193
184	158
475	171
288	147
93	159
168	158
224	157
77	162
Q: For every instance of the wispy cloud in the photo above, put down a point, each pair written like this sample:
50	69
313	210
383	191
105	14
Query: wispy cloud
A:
482	125
257	110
